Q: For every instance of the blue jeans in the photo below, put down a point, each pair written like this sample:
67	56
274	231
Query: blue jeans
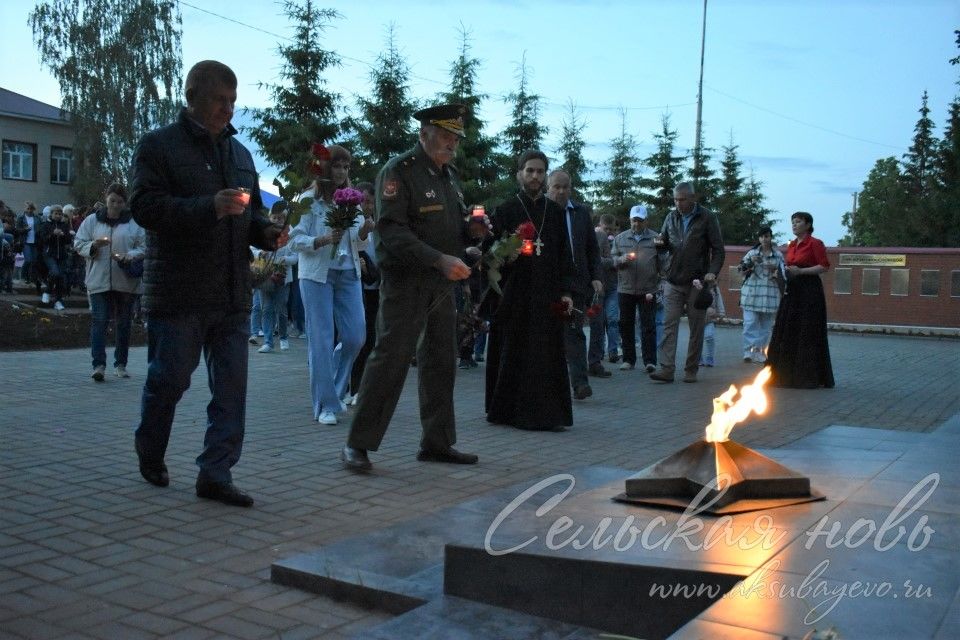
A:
103	305
709	344
605	326
757	327
336	303
174	345
30	271
274	312
295	308
256	314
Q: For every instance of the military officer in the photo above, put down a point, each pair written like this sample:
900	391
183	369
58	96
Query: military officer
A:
423	228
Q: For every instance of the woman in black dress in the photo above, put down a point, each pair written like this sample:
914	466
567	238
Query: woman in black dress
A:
799	354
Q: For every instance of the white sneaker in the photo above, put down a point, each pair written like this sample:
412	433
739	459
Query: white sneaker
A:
58	305
327	417
121	371
45	298
265	349
626	366
284	344
260	333
354	399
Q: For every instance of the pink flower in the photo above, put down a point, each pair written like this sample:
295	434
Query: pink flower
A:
348	197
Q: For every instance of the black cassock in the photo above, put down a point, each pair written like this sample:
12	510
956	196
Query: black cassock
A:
527	381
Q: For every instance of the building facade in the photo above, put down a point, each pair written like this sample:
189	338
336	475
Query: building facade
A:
37	152
891	286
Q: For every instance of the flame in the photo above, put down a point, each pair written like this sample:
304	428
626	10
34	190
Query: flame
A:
727	412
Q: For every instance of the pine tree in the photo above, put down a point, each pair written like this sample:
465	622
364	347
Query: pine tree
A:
918	161
731	200
476	161
119	69
571	150
704	177
667	169
303	111
525	131
384	127
619	192
756	215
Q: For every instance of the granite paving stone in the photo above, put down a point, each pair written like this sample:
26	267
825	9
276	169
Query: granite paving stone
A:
77	516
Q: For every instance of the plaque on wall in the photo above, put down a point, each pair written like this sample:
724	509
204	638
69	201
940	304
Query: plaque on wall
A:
873	259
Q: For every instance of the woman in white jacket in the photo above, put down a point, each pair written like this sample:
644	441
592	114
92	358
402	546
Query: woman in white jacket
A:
109	240
331	291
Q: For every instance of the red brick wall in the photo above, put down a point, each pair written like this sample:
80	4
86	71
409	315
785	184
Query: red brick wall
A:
884	308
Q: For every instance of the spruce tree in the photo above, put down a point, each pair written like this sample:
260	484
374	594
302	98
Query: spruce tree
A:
667	170
476	161
384	127
756	215
619	192
704	177
303	110
731	199
119	70
571	150
918	162
524	132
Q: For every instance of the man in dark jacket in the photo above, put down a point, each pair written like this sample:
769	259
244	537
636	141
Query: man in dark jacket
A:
692	244
588	281
196	193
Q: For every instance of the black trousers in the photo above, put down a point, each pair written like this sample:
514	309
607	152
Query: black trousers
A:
630	305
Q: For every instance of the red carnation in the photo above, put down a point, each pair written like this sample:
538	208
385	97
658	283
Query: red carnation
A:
526	231
594	310
320	152
319	156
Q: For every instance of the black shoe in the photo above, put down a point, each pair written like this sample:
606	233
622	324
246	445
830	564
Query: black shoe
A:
449	455
355	459
598	371
582	392
614	358
467	363
154	473
225	492
660	376
478	358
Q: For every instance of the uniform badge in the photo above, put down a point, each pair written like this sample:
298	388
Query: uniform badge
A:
390	188
431	194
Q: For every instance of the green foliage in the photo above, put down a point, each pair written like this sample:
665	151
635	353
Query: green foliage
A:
119	69
704	179
879	220
524	131
476	159
384	127
619	191
739	201
918	162
667	168
571	150
303	111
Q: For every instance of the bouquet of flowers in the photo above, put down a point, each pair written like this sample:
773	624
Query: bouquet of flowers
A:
342	216
505	248
268	270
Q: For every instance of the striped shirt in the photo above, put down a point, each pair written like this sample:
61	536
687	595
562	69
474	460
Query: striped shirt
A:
759	292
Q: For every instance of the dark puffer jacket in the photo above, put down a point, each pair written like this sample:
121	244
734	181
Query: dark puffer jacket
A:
194	262
693	254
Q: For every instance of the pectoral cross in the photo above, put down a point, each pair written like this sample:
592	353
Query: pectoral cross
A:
538	245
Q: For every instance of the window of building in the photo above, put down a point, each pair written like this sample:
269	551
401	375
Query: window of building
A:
870	283
899	282
955	284
842	280
61	165
930	282
736	278
19	160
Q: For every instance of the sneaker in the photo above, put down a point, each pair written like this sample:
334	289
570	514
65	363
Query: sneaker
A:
354	399
121	371
598	371
45	298
346	401
300	336
260	333
651	368
759	358
626	366
614	358
327	417
747	358
265	349
253	340
284	344
58	306
98	372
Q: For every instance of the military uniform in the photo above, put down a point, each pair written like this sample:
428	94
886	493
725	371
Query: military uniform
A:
421	216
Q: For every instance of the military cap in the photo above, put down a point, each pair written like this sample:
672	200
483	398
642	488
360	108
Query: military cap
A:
446	116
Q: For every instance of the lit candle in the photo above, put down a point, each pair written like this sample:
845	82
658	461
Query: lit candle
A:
244	195
631	256
527	248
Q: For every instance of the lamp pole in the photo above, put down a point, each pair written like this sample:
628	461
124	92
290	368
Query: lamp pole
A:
697	157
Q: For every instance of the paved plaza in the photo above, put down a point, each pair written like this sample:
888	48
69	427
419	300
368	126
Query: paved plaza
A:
90	550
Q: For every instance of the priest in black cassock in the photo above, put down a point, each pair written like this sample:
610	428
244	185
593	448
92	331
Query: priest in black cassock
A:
527	383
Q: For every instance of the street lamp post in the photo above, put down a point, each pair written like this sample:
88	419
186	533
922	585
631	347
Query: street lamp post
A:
697	155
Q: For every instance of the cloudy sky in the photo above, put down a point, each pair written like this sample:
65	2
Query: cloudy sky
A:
812	91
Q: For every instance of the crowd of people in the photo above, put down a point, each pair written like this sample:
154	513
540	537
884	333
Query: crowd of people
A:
405	274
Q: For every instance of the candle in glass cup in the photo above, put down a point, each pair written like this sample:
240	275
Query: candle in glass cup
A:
244	195
631	256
